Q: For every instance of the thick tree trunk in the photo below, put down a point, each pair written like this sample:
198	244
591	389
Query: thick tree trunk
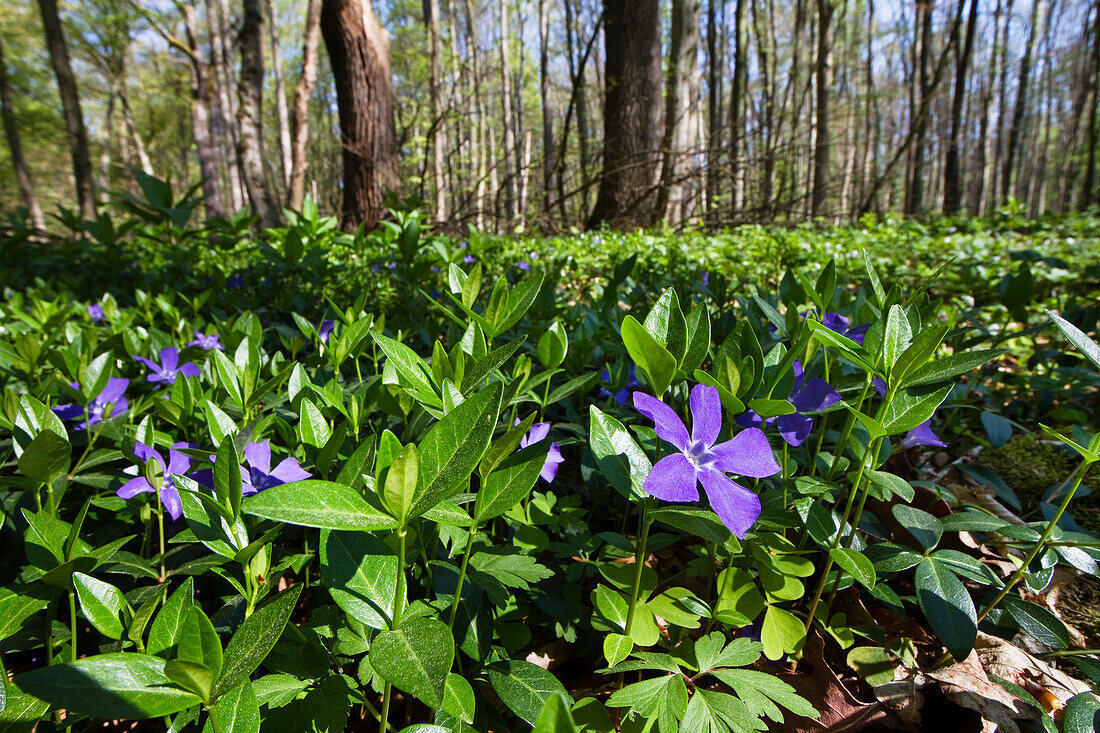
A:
507	113
1011	149
281	111
70	107
914	200
680	101
952	185
205	146
11	131
359	49
224	121
439	127
250	146
632	109
824	77
302	94
738	105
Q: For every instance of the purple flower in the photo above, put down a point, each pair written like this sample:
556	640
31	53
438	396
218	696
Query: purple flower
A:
169	495
537	433
325	329
108	403
676	477
838	323
623	395
468	259
95	310
813	396
234	282
375	269
169	367
435	269
523	265
392	265
206	342
921	435
259	475
706	278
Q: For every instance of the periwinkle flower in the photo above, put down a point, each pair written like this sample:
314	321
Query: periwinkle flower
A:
209	343
838	323
921	435
95	312
523	265
235	282
178	463
468	259
812	396
260	475
169	367
538	433
623	395
108	403
706	278
676	477
325	329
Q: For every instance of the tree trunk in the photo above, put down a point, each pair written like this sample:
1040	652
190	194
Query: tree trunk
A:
205	146
738	104
507	113
1014	132
70	106
302	94
439	127
1001	55
824	74
11	131
632	124
224	127
549	164
714	111
680	101
359	49
952	185
250	146
1088	187
282	114
914	200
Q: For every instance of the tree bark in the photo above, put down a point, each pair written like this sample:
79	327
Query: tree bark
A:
206	147
359	49
914	200
1088	187
224	119
302	94
1014	132
680	101
281	111
738	105
952	185
632	106
11	131
439	128
507	113
70	106
714	111
549	164
824	74
250	146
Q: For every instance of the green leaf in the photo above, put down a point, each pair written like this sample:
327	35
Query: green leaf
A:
656	362
856	564
911	406
524	687
410	368
46	457
698	339
553	346
19	603
781	633
102	603
518	301
872	276
20	711
253	640
452	448
618	456
313	429
762	692
165	632
873	663
554	717
1082	714
925	528
616	648
852	351
702	523
666	324
950	366
718	712
1038	622
238	710
918	352
510	481
898	336
489	363
1078	338
228	483
889	485
192	676
947	606
399	491
199	643
314	503
458	699
360	572
108	686
416	657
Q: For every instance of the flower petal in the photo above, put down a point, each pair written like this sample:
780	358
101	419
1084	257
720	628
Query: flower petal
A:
817	395
835	322
170	498
133	487
706	414
169	358
151	364
550	467
921	435
178	463
69	412
666	422
258	456
116	387
794	428
288	471
749	419
747	454
190	370
736	506
147	454
672	479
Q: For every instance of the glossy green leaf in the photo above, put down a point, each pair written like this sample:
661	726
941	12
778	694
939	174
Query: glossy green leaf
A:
238	710
667	325
199	643
524	687
458	698
555	717
924	527
413	373
618	456
553	345
1037	621
911	406
698	339
950	366
165	632
856	564
399	490
313	429
947	606
616	648
416	657
360	572
1082	713
314	503
656	362
510	481
781	633
102	603
253	640
46	457
228	483
1088	348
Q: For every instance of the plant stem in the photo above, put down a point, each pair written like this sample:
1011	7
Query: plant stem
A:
398	609
847	432
160	533
461	576
72	626
639	564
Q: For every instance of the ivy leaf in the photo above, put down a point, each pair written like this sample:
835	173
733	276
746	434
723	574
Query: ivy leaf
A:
524	687
947	606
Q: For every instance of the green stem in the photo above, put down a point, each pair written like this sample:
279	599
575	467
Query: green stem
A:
398	608
160	533
848	427
461	576
545	397
639	564
72	626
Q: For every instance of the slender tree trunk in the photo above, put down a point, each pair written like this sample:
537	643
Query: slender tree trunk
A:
439	125
1088	188
632	106
765	46
680	100
824	72
225	116
481	138
359	49
250	147
508	114
914	200
281	111
11	131
952	185
70	107
302	94
738	104
135	137
549	164
995	185
206	147
1011	150
714	111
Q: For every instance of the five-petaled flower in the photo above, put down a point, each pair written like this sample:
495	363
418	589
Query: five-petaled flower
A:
812	396
676	477
169	495
537	433
208	343
524	265
108	403
325	329
169	367
921	435
260	475
95	312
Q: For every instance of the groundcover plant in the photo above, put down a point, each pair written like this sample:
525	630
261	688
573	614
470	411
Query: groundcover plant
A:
482	511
